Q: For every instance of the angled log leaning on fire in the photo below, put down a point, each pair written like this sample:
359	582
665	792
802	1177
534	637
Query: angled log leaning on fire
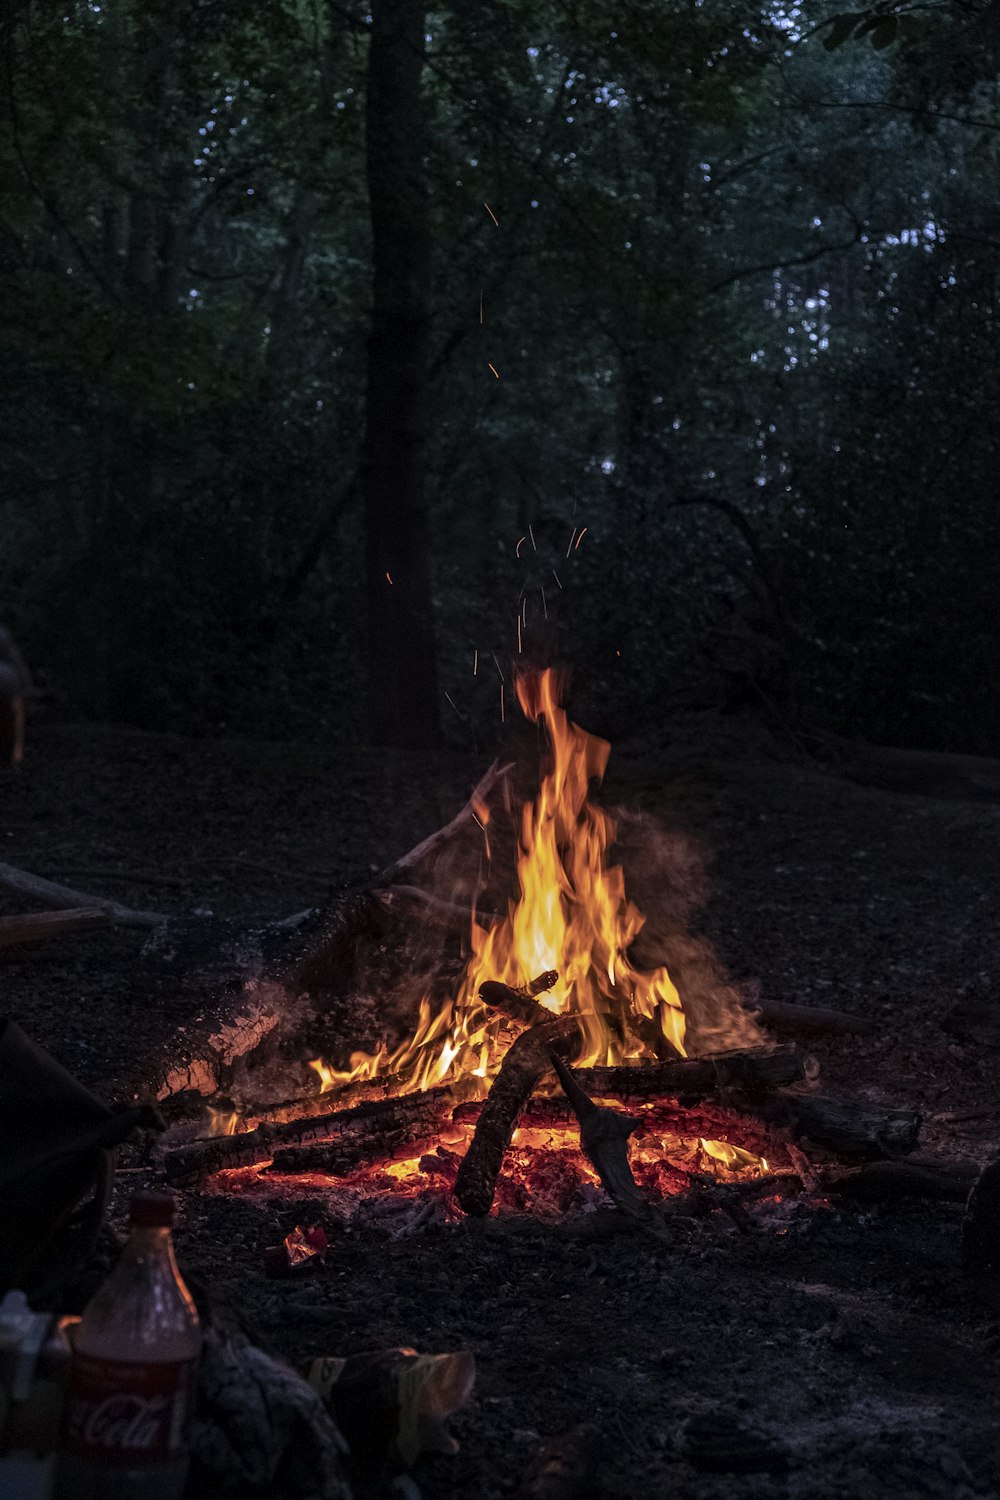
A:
525	1064
205	1053
604	1135
371	1121
327	958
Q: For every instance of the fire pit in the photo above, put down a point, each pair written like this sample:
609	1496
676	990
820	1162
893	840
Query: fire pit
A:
490	1102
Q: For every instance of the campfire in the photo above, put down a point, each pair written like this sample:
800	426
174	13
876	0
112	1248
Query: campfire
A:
556	1071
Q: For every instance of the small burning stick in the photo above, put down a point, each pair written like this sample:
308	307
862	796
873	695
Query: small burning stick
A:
519	1005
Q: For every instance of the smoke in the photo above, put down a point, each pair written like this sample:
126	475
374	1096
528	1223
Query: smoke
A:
665	877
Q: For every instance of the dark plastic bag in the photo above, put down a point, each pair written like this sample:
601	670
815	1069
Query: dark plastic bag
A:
56	1164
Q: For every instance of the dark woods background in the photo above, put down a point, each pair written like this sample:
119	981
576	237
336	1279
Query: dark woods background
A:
742	302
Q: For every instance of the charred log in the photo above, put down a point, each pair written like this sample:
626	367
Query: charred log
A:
604	1135
206	1054
753	1070
852	1127
528	1060
888	1181
784	1017
340	1158
519	1005
372	1121
40	927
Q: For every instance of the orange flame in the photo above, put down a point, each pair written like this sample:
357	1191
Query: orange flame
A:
572	915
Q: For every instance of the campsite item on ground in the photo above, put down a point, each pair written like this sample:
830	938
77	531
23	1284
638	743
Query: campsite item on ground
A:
393	1404
260	1432
132	1376
300	1252
34	1364
56	1140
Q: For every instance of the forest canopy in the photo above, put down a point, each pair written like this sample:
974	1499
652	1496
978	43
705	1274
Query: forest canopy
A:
695	305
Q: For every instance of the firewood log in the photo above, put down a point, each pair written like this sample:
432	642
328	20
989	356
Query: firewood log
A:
528	1060
783	1016
853	1127
40	927
886	1181
751	1069
186	1165
604	1135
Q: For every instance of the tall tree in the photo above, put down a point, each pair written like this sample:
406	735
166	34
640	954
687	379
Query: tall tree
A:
402	696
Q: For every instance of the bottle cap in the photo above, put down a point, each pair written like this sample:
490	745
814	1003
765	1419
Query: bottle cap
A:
153	1209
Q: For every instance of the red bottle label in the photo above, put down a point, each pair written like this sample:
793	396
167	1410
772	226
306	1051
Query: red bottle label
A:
120	1412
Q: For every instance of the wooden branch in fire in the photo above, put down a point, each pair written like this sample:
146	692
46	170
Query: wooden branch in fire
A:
751	1069
604	1135
526	1063
186	1165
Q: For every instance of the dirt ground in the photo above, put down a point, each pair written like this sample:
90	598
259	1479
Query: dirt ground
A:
845	1334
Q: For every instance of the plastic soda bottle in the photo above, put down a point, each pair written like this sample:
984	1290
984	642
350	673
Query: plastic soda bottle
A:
132	1374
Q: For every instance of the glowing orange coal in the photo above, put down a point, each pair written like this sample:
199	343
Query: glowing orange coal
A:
571	915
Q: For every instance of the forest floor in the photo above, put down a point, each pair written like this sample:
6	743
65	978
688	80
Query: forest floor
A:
847	1334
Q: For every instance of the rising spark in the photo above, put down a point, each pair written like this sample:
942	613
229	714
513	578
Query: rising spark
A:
570	547
475	662
502	677
532	535
555	575
517	549
494	369
545	607
580	538
455	707
502	715
389	577
519	635
480	307
492	214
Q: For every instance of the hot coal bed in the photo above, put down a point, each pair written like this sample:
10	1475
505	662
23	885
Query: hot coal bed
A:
568	1053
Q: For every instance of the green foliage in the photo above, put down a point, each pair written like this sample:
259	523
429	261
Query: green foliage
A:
734	263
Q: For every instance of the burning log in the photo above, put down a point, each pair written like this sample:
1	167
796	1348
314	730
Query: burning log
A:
372	1121
528	1060
329	958
755	1070
340	1158
854	1128
205	1054
519	1005
604	1137
40	927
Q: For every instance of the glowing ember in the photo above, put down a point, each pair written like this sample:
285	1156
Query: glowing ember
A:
572	915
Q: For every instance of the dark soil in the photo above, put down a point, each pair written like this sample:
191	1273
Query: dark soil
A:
844	1335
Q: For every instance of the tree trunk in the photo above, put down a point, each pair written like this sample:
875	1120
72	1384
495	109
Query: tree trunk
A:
402	673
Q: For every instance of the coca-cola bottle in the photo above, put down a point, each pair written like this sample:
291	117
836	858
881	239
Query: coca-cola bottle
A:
132	1374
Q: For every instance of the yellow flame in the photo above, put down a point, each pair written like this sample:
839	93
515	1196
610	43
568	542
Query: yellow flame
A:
222	1121
733	1157
571	915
